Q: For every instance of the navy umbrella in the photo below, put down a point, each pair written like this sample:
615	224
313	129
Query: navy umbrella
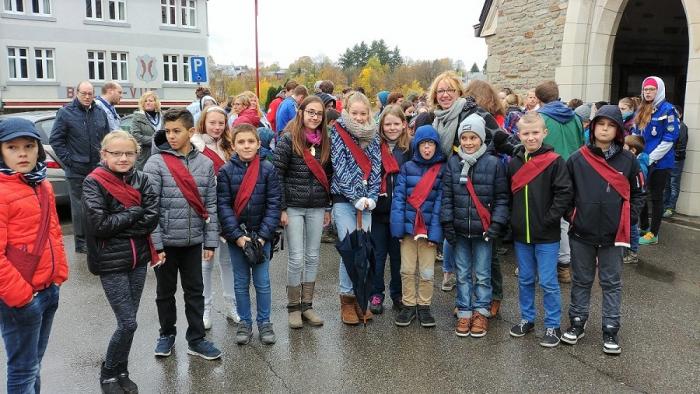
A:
357	252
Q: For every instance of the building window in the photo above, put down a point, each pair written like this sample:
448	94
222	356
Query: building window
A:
119	62
170	63
168	11
44	63
93	9
18	62
188	13
117	10
41	7
14	5
186	68
96	65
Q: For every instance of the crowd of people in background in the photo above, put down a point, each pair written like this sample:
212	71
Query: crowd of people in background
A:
451	175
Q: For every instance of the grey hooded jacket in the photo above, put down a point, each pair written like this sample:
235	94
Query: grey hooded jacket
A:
179	225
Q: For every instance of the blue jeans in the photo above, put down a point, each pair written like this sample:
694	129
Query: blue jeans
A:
634	238
345	223
25	332
303	243
448	257
673	185
539	260
385	244
242	272
473	255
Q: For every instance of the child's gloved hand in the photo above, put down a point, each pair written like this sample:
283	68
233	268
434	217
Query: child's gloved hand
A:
494	231
371	204
361	204
136	212
449	231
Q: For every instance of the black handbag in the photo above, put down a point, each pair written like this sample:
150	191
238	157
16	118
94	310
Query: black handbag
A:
253	250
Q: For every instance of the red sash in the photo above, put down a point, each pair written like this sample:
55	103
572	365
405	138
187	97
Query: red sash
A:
418	197
185	182
621	186
215	158
24	260
357	153
247	186
389	165
317	170
128	196
484	214
531	169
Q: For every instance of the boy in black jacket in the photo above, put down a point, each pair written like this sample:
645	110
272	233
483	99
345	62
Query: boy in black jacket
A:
542	193
607	198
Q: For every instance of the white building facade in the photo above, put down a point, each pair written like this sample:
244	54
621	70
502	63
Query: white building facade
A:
48	46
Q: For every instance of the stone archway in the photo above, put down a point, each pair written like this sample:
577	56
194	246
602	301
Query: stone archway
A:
586	72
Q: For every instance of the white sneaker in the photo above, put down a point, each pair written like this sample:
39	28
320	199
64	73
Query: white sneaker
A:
232	315
207	318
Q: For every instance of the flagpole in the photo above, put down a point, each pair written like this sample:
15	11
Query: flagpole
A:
257	63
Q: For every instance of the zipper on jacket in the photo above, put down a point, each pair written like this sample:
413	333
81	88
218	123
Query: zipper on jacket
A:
189	208
527	208
53	263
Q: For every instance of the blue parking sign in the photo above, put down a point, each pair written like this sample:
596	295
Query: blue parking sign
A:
198	69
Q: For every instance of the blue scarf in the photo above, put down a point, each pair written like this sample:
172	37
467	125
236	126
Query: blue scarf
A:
33	178
557	111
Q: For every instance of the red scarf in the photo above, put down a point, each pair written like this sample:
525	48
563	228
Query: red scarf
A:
531	169
215	158
357	153
484	214
128	196
419	195
247	186
389	165
621	186
317	170
185	182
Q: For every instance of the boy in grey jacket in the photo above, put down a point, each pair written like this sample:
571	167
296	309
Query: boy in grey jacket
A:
185	183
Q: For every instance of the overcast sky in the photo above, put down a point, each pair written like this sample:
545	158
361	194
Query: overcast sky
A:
289	29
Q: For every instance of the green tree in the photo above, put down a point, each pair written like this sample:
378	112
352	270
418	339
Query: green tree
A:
475	68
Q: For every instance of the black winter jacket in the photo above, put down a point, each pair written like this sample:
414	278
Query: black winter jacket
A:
383	210
458	214
76	137
300	188
262	214
596	209
116	237
538	207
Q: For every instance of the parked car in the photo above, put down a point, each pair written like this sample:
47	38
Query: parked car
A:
43	120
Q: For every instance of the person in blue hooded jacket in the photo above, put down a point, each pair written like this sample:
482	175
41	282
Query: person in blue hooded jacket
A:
415	221
656	121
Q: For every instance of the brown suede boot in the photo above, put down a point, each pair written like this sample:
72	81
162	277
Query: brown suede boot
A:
294	306
347	310
495	308
307	310
564	273
364	318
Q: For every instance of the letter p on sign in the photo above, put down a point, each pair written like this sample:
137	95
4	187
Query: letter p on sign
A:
198	69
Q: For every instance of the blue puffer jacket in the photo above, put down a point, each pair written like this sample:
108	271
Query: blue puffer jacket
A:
403	215
459	215
262	214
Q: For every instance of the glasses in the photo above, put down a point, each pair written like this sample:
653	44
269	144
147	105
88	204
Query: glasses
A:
85	94
118	155
649	89
313	114
448	91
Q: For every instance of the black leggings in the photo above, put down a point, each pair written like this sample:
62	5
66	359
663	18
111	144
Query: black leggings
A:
123	291
655	186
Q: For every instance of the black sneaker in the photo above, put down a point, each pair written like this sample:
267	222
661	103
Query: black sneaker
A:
575	332
164	345
266	334
521	328
406	316
425	318
243	333
551	337
204	349
610	343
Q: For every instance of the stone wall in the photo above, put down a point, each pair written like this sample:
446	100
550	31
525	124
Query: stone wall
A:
526	46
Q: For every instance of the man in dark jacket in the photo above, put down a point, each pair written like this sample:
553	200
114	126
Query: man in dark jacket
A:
76	137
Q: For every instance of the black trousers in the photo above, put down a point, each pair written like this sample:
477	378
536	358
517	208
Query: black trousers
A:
187	260
655	185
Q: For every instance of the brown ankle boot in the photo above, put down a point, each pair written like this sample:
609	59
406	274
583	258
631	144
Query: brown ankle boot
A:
347	310
495	308
363	317
307	310
294	306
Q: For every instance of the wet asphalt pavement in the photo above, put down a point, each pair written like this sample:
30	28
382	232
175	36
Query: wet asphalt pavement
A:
659	337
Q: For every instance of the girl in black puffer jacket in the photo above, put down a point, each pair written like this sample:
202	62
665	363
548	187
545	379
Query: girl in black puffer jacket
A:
121	211
302	159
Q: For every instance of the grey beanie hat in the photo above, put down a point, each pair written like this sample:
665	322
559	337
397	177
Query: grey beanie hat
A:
475	124
584	111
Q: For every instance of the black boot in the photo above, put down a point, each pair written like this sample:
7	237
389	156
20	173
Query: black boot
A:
109	381
126	384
